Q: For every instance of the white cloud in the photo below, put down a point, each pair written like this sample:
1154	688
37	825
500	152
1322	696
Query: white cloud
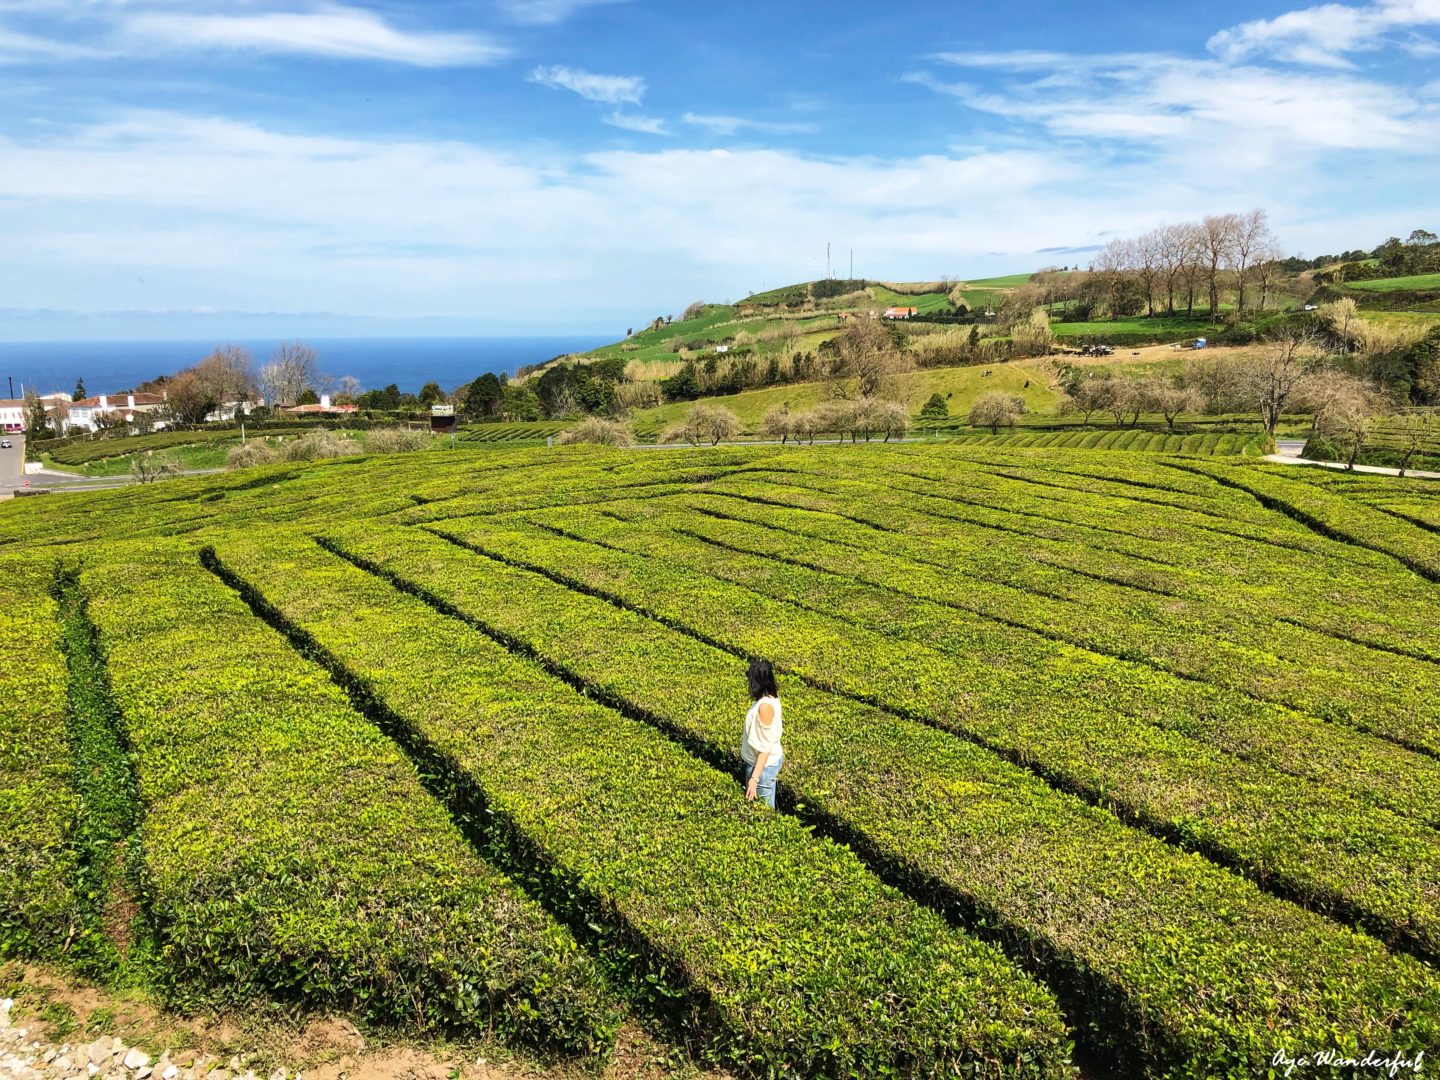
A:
546	12
1320	36
16	47
328	30
649	125
610	89
732	125
1221	110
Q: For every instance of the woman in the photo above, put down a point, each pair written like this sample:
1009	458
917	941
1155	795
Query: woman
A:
760	744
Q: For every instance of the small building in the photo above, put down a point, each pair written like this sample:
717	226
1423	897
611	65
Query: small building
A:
901	312
324	406
12	412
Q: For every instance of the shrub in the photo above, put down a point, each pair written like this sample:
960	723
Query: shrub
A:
995	410
398	440
316	445
852	978
290	850
935	408
41	909
704	423
596	430
252	453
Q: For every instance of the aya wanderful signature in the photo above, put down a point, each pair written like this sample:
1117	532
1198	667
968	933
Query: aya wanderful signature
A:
1393	1065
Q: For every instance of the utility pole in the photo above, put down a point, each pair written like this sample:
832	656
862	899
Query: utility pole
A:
852	264
828	275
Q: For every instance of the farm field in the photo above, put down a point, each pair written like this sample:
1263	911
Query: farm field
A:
1096	763
1397	284
960	386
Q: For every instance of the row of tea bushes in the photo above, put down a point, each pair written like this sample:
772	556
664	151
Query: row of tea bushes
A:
1077	599
40	911
1278	828
289	849
781	953
1181	968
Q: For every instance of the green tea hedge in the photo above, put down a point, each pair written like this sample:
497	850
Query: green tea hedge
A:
1282	830
1175	962
779	951
40	911
289	849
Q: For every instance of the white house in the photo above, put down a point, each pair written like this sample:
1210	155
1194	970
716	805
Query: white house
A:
85	414
12	411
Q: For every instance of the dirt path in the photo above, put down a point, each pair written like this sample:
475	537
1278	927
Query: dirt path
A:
53	1027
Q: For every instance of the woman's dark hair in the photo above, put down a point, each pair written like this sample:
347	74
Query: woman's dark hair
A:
762	680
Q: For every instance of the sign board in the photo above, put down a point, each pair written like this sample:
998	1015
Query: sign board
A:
442	419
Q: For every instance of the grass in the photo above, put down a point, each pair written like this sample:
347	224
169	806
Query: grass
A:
960	386
1162	327
1155	732
1413	283
1005	281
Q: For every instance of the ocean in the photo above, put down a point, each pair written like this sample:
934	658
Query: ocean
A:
112	366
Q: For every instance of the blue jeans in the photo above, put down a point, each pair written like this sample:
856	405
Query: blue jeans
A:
765	787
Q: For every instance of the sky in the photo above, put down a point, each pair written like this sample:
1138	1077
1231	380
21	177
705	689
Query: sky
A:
555	166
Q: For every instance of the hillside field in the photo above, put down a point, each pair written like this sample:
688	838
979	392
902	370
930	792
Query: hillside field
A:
961	386
1397	284
1108	761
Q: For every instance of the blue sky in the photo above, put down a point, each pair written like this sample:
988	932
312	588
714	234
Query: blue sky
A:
559	165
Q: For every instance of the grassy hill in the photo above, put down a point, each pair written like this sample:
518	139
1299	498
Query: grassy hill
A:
1397	284
960	387
1124	751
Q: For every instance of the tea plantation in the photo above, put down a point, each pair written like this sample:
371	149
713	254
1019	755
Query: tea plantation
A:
1096	763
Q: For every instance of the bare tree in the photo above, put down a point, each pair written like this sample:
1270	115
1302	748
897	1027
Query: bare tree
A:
227	374
1173	243
1353	420
148	467
1414	431
1267	270
292	369
188	400
1089	397
347	389
1218	232
996	409
704	423
1168	399
1109	271
778	424
1271	377
1192	262
1149	261
1250	235
1322	389
867	353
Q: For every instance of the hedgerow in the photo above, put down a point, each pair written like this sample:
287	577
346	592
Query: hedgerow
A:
981	837
1339	518
778	952
897	599
1070	599
288	847
1371	691
40	909
1282	830
103	779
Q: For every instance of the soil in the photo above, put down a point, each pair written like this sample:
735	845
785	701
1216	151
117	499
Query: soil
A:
57	1008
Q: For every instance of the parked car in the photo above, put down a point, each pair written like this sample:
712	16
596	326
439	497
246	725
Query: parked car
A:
4	444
